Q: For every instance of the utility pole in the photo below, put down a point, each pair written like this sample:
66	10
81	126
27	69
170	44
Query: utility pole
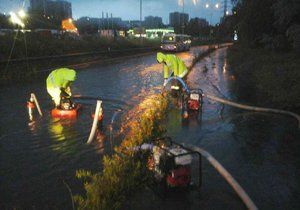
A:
141	18
112	23
182	22
102	21
225	8
107	20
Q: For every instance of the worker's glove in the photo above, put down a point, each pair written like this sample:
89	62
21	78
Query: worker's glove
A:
165	82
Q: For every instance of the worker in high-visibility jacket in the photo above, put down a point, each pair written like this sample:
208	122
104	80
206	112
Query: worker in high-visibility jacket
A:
172	66
58	84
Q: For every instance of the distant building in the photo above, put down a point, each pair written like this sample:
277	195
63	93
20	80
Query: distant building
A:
110	23
132	23
178	20
102	23
200	22
153	22
150	33
38	6
59	9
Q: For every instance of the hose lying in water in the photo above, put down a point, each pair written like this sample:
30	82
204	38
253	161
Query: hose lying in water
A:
95	122
36	103
227	176
111	129
254	108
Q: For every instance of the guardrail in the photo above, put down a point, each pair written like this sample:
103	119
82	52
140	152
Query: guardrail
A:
108	51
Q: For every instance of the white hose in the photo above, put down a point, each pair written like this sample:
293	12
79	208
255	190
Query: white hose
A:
37	104
254	108
227	176
30	113
95	122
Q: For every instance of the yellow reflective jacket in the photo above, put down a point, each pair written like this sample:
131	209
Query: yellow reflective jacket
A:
172	64
61	78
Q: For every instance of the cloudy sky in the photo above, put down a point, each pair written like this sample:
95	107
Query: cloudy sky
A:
129	9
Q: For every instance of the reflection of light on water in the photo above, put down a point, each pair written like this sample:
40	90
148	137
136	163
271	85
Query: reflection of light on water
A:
100	137
56	130
225	66
186	57
215	69
151	69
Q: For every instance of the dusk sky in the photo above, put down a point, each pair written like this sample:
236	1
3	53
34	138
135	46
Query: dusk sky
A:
129	9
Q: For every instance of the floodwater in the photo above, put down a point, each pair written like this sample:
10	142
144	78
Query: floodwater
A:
38	161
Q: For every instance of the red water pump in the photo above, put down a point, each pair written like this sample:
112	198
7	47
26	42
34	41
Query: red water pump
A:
195	100
192	101
174	164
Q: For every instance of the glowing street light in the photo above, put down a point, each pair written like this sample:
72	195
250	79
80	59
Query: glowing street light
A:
22	14
227	12
16	19
211	13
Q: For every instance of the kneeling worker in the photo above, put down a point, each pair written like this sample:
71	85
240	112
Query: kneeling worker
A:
58	86
172	66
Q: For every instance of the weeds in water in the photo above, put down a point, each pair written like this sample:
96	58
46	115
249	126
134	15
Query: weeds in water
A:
123	174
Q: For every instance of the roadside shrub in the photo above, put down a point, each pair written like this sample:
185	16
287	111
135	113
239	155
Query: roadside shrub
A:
123	174
266	78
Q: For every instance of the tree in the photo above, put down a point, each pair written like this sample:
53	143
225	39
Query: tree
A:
197	27
269	23
287	17
5	23
255	20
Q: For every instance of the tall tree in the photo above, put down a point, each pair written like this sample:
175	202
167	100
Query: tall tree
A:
255	19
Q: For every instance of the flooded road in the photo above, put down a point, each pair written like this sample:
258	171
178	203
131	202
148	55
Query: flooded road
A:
39	160
260	150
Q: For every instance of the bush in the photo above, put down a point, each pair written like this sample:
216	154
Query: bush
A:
38	45
268	78
123	174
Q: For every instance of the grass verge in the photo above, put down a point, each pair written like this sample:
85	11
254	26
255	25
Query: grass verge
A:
24	46
122	173
266	78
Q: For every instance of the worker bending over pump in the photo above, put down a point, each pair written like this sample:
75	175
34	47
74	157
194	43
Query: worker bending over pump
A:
172	66
58	85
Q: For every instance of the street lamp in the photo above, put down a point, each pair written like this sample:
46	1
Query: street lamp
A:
211	14
14	18
141	5
22	14
216	6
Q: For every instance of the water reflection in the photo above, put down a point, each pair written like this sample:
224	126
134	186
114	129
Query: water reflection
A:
64	136
100	138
